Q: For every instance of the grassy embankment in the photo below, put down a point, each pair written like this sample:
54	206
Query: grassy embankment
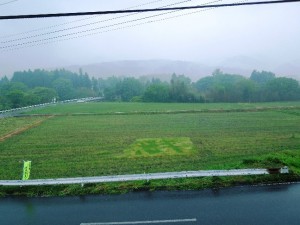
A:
227	136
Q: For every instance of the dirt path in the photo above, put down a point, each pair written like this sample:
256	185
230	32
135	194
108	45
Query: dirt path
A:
23	129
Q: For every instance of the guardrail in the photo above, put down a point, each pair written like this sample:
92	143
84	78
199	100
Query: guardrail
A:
136	177
89	99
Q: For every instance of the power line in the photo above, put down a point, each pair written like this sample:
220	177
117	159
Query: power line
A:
5	3
84	25
97	28
73	21
54	39
106	31
84	31
142	10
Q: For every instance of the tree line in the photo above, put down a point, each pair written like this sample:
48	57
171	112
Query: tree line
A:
42	86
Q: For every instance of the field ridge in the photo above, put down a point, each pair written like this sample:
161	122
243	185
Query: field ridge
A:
23	129
256	109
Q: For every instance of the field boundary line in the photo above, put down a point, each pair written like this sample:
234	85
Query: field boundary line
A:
23	129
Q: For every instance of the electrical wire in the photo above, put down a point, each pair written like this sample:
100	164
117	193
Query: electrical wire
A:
73	21
5	3
84	25
97	28
142	10
106	31
53	39
118	28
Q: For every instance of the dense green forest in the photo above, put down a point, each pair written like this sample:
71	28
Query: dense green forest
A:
41	86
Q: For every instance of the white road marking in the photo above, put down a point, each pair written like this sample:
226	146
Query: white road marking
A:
144	222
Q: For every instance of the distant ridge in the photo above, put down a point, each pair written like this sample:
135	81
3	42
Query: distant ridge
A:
163	69
151	68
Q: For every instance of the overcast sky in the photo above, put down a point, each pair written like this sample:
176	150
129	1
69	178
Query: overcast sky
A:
268	34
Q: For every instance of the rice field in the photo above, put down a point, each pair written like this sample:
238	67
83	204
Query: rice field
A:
72	145
147	147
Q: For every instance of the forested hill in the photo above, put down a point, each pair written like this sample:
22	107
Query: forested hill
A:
41	86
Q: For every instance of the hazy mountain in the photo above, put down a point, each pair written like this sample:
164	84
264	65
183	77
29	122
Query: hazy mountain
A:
165	68
243	62
289	69
242	65
152	68
245	65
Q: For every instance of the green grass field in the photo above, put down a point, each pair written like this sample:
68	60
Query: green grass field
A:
93	145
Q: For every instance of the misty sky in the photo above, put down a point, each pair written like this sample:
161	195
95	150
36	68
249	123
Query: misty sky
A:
267	34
